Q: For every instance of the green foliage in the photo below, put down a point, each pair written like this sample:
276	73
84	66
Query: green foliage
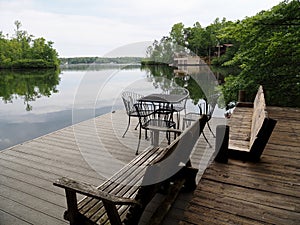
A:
162	52
22	51
265	51
268	53
196	40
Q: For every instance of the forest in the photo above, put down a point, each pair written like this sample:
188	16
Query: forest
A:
264	49
22	50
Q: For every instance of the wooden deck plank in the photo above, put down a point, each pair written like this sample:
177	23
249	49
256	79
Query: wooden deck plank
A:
28	170
272	185
267	192
6	218
26	213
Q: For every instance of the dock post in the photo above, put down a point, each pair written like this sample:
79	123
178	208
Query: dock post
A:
222	139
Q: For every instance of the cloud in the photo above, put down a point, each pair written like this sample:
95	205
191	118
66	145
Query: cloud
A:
96	27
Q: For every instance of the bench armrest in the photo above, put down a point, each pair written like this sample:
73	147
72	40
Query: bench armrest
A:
92	191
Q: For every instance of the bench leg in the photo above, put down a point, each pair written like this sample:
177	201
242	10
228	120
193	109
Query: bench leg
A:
72	211
112	213
144	196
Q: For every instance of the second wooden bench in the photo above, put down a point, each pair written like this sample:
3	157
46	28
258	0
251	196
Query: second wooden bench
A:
250	128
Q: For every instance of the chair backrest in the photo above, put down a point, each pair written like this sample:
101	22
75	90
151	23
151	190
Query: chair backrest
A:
181	91
129	99
209	106
144	111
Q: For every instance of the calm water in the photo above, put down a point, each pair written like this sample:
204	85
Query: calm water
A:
35	103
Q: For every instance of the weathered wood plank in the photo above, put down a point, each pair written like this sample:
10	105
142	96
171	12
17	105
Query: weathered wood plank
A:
263	181
255	211
6	218
28	214
267	192
256	196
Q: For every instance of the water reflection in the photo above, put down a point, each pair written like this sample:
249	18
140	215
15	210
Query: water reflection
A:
27	85
34	103
199	80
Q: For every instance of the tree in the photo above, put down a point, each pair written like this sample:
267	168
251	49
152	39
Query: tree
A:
177	34
22	50
268	54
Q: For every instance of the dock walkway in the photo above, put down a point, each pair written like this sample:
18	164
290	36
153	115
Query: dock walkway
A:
267	192
28	170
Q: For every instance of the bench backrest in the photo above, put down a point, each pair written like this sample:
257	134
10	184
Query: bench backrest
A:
259	114
262	126
177	154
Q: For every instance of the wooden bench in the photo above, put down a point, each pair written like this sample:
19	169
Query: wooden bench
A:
123	198
250	129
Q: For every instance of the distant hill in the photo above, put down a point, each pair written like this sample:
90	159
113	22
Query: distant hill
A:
100	60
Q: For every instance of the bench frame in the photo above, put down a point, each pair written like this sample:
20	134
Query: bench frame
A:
127	207
261	126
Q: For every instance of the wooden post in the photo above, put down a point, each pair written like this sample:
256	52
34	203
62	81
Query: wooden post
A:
72	206
242	96
112	212
222	139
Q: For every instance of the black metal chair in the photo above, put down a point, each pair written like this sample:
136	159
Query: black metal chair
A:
205	108
180	106
208	109
129	99
149	120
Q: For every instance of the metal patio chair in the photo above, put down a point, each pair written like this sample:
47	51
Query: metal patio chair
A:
129	99
181	106
148	120
205	108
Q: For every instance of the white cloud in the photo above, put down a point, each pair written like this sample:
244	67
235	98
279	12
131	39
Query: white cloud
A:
96	27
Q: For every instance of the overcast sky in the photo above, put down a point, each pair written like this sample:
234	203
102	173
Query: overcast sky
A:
96	27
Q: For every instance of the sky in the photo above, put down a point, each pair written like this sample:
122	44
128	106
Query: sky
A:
99	27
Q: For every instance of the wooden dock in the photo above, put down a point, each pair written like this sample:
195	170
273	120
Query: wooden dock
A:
28	170
236	193
267	192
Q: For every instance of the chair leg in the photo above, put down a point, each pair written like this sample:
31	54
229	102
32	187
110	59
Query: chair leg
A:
178	119
210	130
136	126
206	140
127	127
137	149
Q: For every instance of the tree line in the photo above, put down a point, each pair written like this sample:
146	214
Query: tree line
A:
100	60
22	50
265	49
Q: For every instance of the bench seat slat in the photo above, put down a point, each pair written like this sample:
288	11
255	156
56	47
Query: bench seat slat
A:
94	209
108	185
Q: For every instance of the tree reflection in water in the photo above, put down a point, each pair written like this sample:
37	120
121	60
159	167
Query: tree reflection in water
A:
28	85
199	80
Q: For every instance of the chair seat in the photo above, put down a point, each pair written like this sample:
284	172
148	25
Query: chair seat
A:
159	123
178	108
134	113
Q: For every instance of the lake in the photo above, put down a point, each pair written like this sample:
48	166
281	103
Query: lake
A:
34	103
